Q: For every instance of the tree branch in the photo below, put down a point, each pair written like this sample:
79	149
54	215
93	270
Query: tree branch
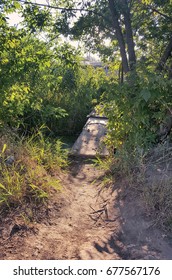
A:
66	9
165	56
160	13
56	7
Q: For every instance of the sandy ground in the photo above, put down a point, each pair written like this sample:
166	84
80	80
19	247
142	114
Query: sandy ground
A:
85	221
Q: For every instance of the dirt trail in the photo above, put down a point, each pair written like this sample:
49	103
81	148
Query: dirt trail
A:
87	221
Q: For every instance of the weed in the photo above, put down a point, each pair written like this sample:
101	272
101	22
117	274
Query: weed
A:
158	200
12	185
156	190
107	165
27	177
45	152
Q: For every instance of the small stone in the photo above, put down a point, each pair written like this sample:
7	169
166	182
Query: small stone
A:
9	160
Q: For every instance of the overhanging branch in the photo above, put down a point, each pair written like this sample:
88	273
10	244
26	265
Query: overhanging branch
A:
67	9
160	13
56	7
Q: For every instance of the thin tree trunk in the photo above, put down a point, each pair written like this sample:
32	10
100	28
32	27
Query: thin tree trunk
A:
129	35
121	74
119	35
165	56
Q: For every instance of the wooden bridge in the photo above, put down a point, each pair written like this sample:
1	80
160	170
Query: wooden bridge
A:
90	141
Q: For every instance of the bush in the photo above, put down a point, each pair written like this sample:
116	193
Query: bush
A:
135	110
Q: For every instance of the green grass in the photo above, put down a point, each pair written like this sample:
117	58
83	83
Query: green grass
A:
31	175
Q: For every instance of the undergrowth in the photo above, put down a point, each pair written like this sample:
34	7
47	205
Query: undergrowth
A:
157	196
108	166
157	191
139	123
29	169
148	174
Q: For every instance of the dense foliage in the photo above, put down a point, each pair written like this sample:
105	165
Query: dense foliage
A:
42	83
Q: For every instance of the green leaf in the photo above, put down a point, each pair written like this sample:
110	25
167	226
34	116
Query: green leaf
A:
145	94
17	5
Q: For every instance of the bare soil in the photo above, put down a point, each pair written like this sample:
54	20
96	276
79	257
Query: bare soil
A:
85	221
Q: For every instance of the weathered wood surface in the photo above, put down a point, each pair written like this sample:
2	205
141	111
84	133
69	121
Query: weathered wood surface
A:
90	141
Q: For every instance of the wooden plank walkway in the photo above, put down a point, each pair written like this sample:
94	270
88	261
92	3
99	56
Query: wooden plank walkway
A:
90	141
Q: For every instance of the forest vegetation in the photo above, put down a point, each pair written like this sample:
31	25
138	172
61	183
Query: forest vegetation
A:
46	91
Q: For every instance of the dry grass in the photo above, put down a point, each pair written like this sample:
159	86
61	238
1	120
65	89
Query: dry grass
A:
157	188
158	200
147	174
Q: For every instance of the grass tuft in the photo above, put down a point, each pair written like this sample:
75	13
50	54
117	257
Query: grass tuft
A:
28	169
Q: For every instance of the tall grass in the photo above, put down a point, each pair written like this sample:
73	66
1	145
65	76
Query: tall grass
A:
27	169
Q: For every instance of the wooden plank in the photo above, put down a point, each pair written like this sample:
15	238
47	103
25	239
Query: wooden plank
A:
90	141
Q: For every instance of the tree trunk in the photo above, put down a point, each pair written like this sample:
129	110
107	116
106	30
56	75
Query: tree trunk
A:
129	34
165	56
119	35
121	74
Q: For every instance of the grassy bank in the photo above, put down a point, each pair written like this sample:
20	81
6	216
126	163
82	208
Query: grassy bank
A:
29	169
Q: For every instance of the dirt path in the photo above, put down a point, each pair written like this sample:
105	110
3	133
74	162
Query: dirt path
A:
87	222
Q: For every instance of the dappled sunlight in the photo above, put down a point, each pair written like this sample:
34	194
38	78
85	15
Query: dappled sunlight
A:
89	142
